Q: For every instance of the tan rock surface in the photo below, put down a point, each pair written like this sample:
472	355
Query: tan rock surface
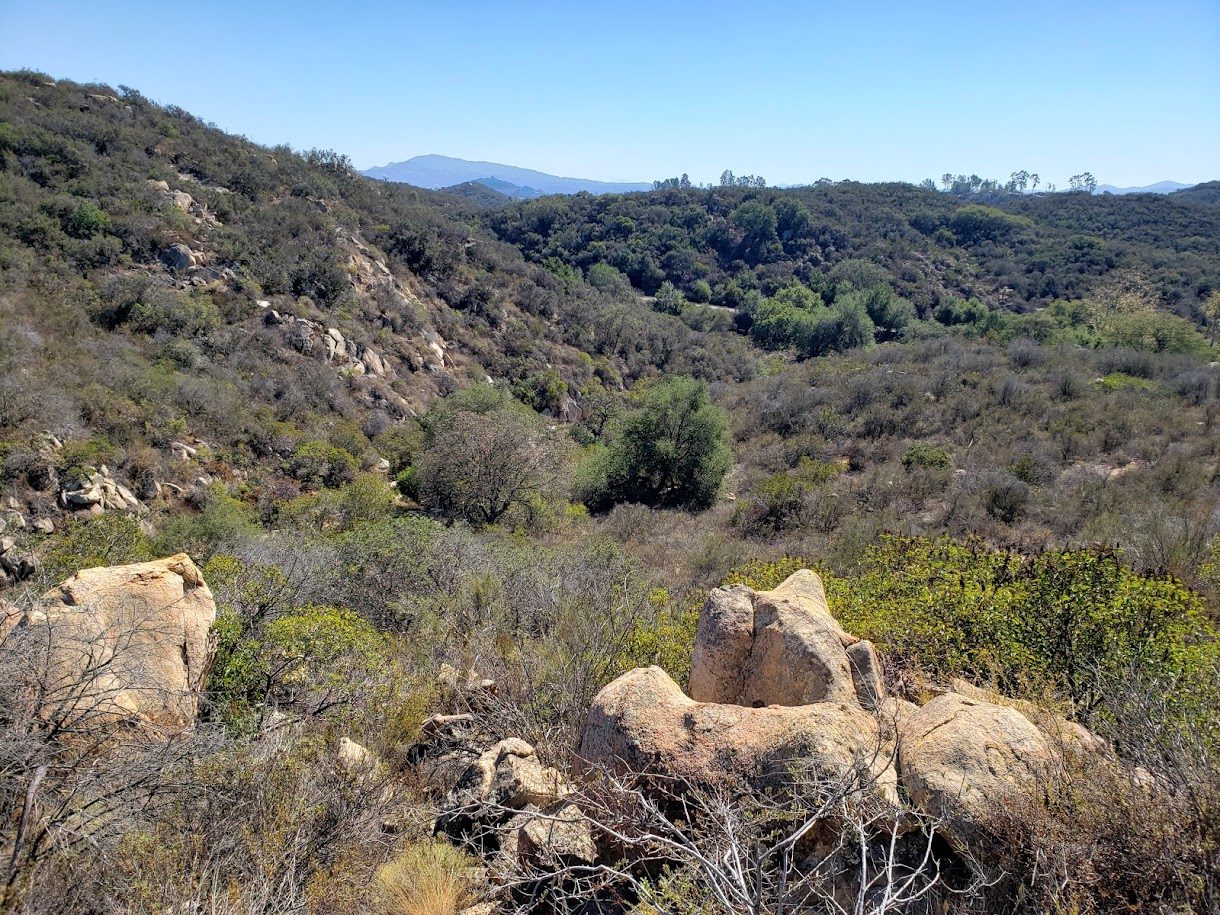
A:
779	647
723	641
968	761
558	836
642	722
126	642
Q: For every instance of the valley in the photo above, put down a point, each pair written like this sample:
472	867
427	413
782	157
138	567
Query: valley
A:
363	540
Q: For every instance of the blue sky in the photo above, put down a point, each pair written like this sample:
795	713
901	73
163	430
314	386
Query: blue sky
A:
637	91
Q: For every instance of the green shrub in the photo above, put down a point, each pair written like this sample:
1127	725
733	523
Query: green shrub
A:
313	661
1067	621
671	452
87	221
107	540
174	313
220	520
920	456
316	462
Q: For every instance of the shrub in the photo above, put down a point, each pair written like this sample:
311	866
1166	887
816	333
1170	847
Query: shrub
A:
478	467
920	455
174	313
312	660
1068	621
426	878
672	452
110	539
221	520
316	462
87	221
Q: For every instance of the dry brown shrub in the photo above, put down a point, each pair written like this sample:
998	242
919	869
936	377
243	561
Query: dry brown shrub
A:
427	878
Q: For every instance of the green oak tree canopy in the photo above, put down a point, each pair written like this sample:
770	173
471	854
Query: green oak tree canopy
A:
672	452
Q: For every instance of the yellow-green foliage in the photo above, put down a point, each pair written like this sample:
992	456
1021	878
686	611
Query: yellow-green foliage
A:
765	574
110	539
426	878
664	641
367	498
311	660
1073	620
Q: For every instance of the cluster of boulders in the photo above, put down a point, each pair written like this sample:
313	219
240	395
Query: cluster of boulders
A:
99	492
124	645
308	337
372	278
181	200
518	812
17	563
776	680
779	691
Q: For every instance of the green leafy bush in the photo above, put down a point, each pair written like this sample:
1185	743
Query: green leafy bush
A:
921	455
109	539
1067	621
671	452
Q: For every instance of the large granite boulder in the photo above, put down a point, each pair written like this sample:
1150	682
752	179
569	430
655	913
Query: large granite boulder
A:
643	723
970	762
780	647
121	644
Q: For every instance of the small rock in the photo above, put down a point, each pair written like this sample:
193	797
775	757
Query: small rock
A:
44	525
354	758
559	837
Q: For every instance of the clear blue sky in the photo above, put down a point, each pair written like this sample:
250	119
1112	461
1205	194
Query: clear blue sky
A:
791	91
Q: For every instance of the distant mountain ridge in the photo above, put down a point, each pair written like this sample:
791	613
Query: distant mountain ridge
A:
510	189
437	172
1161	187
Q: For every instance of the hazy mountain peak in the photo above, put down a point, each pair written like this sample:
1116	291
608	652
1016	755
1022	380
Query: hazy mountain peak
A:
1161	187
433	171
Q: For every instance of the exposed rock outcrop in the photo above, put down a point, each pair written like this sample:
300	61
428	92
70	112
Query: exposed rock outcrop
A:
180	257
778	685
507	777
351	358
780	647
99	492
559	836
124	644
642	722
967	761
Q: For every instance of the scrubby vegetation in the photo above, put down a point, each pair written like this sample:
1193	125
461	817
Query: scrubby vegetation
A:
991	425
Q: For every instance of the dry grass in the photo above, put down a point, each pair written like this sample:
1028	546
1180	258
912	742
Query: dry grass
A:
427	878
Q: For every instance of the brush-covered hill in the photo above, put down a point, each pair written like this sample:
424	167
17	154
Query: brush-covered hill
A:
163	283
1015	252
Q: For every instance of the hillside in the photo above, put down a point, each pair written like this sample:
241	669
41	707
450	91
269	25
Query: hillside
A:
191	281
480	194
787	511
445	171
